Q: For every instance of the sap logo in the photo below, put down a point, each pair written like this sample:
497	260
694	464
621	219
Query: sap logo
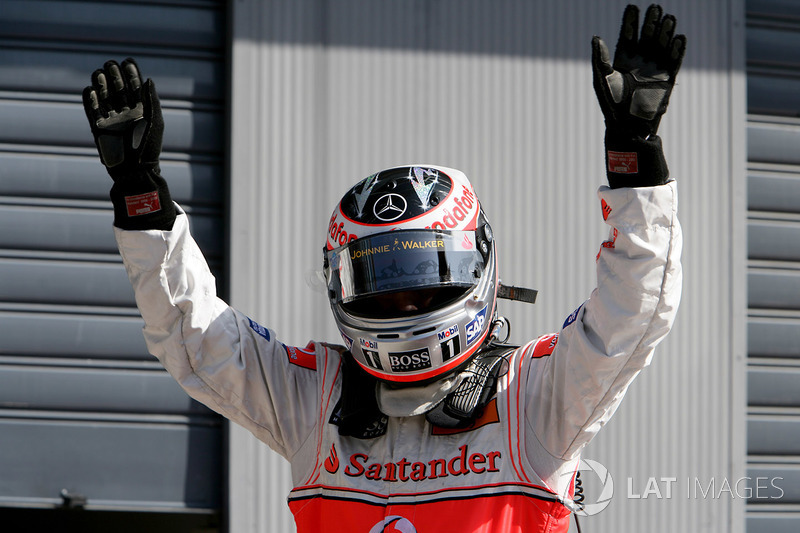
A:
366	343
446	334
475	327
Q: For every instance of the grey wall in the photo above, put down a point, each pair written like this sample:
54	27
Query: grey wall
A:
325	93
83	406
773	274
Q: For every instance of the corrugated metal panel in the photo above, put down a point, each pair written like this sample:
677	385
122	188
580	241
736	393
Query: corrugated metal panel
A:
83	407
326	93
773	426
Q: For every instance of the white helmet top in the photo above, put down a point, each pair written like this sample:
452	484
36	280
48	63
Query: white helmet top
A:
411	273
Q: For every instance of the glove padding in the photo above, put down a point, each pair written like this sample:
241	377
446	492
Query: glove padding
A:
125	118
634	92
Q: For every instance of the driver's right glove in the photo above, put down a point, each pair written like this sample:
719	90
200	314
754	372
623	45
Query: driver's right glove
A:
634	92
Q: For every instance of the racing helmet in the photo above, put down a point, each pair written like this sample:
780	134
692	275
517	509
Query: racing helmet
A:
410	267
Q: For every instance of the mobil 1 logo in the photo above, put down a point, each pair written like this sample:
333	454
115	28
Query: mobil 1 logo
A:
449	343
410	361
372	357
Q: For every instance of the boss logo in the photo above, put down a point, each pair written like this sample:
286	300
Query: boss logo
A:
475	327
410	361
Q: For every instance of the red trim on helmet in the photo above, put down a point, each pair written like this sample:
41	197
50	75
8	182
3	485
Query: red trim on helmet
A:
410	378
471	225
396	223
333	226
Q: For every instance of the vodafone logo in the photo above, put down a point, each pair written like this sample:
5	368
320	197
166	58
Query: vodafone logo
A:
458	213
338	233
394	524
372	210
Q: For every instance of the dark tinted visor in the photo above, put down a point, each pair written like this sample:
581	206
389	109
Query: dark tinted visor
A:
404	260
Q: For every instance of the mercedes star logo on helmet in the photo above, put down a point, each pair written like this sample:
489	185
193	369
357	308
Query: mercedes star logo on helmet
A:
389	207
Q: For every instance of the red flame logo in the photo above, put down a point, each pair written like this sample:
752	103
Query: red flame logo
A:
332	461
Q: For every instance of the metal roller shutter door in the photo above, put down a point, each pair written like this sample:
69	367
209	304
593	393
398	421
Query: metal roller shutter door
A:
773	426
85	412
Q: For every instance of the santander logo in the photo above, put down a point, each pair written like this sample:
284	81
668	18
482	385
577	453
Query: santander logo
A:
463	462
332	461
394	524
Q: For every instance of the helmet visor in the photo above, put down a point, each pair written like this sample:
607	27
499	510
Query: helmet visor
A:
403	260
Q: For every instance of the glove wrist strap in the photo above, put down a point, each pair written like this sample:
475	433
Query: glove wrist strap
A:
142	201
633	161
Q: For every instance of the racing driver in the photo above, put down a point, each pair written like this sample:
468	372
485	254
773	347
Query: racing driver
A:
424	418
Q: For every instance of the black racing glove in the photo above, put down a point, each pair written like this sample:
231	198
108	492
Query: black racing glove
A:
125	118
634	93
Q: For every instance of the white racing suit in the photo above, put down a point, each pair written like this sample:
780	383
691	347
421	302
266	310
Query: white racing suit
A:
512	470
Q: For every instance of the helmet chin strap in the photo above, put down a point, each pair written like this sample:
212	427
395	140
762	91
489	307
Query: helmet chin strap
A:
455	400
465	402
451	402
461	406
520	294
412	401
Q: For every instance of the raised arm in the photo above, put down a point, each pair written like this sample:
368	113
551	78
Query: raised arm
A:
218	355
606	342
